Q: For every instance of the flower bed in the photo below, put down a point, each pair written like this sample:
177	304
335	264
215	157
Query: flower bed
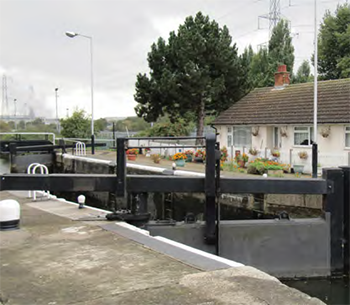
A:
261	166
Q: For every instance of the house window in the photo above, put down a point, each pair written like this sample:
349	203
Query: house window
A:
303	135
241	136
347	136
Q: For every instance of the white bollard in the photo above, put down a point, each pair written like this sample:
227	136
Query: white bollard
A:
9	215
81	201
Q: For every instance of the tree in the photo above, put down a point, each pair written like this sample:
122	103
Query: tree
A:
132	124
195	73
76	126
261	74
333	44
281	50
5	127
167	129
246	59
303	73
100	124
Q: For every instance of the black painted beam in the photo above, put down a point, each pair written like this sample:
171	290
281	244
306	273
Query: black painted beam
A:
273	186
58	182
146	183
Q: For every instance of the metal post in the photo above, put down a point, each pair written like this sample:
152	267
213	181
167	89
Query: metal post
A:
57	121
92	99
121	168
346	171
334	205
114	134
315	71
314	160
210	191
217	186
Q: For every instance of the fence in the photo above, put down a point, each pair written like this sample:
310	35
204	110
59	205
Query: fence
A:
334	186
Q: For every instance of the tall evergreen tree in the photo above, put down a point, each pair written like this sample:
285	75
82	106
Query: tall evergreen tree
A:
197	71
281	50
334	44
261	73
303	73
246	62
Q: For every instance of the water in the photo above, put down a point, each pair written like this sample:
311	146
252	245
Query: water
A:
330	291
4	166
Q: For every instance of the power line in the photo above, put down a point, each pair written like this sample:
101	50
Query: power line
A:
236	8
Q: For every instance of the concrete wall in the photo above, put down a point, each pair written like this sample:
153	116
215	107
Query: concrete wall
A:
296	248
283	248
21	162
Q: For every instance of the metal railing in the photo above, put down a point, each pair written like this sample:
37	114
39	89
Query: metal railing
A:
334	186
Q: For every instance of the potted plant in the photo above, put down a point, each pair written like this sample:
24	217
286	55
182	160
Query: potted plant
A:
132	154
156	158
148	151
224	154
325	132
241	160
275	153
179	159
255	131
199	155
303	154
189	155
253	151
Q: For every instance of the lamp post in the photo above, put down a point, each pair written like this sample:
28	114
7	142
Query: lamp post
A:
314	145
72	35
15	102
57	121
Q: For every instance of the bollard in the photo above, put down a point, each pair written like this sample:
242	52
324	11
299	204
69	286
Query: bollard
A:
9	215
81	201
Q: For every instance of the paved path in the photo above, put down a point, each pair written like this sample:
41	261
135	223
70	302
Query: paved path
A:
61	256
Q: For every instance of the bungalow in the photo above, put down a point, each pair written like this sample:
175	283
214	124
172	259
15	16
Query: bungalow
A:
281	117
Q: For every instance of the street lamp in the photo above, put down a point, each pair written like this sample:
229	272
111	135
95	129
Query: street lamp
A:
15	102
72	35
57	121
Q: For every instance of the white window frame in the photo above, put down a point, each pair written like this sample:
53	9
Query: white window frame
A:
347	133
309	132
229	140
230	133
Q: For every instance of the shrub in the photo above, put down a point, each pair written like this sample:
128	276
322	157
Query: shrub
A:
261	166
156	158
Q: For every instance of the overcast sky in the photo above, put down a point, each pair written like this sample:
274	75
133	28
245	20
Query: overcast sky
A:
37	57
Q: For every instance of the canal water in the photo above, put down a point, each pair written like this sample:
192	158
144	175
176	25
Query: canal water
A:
330	291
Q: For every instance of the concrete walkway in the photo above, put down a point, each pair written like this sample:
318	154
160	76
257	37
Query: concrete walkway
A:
63	255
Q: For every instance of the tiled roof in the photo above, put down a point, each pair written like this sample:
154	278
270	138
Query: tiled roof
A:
291	105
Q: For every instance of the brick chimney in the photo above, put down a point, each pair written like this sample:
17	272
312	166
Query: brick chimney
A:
281	77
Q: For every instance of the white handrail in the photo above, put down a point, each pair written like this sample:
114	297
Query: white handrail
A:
43	170
80	149
29	169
